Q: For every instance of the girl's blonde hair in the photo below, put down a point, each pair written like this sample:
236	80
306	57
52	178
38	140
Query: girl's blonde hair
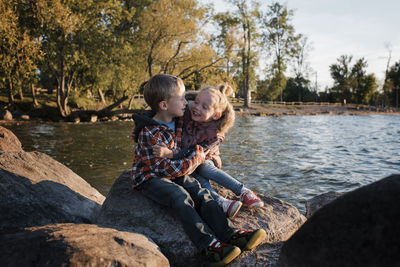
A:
223	105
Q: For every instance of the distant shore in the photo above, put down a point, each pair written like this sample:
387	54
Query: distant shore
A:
261	110
323	109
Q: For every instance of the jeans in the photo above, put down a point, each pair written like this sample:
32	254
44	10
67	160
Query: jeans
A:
201	216
207	171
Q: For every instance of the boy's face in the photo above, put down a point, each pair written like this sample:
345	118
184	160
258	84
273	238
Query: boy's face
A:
177	102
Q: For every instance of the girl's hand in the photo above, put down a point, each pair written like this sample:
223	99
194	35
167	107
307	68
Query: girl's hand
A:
163	151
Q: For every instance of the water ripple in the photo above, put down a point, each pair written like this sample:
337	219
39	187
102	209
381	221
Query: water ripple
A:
290	157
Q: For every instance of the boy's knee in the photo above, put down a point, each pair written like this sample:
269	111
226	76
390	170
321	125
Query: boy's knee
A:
182	199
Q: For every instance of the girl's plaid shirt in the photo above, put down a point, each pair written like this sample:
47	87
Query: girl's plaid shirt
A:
147	166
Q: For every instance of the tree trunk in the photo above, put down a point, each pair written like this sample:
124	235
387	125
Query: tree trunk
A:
247	92
10	93
101	95
21	94
34	100
130	103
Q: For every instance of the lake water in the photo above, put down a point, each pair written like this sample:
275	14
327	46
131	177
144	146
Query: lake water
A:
293	158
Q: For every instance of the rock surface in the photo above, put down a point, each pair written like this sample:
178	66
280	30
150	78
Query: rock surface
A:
360	228
125	208
314	204
8	141
78	245
37	190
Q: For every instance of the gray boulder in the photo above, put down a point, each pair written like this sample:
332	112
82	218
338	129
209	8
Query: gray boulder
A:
314	204
127	209
8	141
6	115
78	245
37	190
360	228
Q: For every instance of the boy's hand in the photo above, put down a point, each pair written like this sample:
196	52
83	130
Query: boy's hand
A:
200	151
163	151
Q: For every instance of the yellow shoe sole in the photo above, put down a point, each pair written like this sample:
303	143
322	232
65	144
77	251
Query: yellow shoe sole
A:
257	238
233	255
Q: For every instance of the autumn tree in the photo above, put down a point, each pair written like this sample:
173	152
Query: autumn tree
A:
71	31
18	51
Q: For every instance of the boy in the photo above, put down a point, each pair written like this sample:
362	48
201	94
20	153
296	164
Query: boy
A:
166	181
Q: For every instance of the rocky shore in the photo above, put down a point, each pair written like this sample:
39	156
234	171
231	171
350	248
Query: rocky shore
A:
52	217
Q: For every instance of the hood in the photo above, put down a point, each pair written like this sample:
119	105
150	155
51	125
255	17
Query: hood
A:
142	120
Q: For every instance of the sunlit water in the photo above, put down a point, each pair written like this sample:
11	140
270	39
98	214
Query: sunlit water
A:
293	158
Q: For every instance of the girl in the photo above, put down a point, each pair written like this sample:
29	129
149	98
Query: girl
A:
206	121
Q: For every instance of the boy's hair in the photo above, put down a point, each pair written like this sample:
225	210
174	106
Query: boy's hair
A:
223	105
160	87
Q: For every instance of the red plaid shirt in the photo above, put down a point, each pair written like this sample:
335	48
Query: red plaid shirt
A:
147	166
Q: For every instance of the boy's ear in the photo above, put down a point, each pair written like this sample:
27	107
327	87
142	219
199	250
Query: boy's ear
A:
162	105
217	115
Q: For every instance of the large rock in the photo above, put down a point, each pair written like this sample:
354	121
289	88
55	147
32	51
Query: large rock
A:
317	202
127	209
37	190
78	245
8	141
360	228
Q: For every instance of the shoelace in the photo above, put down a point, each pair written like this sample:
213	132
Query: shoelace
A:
240	233
250	195
217	245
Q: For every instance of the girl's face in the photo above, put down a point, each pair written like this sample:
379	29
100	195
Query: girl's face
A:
202	110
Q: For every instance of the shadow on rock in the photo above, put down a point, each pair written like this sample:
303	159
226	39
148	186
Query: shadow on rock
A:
359	228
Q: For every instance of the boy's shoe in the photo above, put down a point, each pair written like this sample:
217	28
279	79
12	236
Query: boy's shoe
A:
220	254
249	198
247	240
230	207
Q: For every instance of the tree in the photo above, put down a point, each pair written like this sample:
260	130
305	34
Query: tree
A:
393	84
70	32
341	75
171	39
280	41
351	83
362	85
301	70
248	53
226	42
18	51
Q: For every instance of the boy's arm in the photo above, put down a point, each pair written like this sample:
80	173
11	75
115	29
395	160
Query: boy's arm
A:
163	151
164	167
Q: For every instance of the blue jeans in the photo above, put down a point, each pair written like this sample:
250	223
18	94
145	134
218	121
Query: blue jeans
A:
207	171
201	216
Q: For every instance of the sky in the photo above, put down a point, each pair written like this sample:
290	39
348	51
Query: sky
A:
363	29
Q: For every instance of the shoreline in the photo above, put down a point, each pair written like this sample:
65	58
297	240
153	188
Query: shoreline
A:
260	110
311	110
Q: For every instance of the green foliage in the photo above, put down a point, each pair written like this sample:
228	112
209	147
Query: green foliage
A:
351	83
392	85
114	46
19	52
298	90
281	42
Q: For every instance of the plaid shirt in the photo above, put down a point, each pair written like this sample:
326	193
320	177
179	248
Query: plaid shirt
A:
147	166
